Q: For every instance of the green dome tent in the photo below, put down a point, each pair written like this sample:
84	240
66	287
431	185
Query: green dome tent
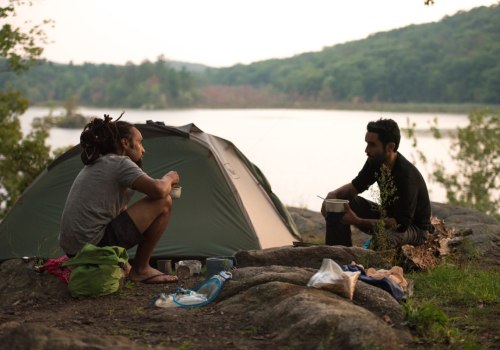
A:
227	204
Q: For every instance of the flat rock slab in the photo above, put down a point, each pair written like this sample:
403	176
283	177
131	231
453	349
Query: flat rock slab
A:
309	256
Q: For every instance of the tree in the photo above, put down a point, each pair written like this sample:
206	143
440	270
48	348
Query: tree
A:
476	153
21	158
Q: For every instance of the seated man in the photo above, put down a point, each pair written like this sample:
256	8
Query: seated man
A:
407	208
96	208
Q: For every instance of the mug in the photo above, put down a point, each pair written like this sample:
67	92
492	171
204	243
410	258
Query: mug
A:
176	192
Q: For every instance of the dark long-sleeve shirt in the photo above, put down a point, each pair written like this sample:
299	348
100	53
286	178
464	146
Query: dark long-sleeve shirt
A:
411	205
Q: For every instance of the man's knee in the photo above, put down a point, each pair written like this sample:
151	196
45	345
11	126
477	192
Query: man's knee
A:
166	206
161	207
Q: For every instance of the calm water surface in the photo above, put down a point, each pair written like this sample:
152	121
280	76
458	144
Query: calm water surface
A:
303	153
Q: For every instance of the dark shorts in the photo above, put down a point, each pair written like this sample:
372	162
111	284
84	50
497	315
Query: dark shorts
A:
122	232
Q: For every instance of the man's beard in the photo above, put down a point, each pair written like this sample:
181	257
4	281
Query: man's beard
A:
139	163
377	160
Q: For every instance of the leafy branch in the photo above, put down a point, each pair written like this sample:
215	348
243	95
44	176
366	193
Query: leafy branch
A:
475	152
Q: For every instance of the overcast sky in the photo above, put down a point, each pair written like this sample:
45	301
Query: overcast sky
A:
219	32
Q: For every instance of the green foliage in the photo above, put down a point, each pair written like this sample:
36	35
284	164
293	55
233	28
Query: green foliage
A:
19	47
470	292
450	284
149	85
425	318
185	345
475	152
453	60
386	196
21	159
77	121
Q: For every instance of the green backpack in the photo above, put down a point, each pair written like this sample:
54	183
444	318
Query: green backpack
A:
96	271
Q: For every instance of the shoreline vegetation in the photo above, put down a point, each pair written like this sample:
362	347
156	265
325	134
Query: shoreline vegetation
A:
74	121
410	107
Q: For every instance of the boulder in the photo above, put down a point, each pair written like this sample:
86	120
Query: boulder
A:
309	318
309	256
36	336
481	232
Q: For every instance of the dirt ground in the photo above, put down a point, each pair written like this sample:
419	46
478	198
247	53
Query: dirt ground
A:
129	313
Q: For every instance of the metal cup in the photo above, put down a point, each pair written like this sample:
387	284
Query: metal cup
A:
176	192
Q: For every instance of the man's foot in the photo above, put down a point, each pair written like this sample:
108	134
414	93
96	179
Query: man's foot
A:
151	276
159	279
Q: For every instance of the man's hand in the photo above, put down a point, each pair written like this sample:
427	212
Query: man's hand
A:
350	217
156	188
344	192
174	177
390	223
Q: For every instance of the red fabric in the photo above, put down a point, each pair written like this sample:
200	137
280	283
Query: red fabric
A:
53	266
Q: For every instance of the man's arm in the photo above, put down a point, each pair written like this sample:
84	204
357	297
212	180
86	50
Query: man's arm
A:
350	218
156	188
344	192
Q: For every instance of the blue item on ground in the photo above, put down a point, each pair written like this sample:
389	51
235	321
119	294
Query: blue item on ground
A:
202	294
367	243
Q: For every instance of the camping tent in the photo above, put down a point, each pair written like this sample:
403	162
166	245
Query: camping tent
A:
226	205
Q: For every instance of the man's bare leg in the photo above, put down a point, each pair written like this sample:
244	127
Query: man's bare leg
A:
151	218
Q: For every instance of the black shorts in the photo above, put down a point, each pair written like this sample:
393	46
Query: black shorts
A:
122	232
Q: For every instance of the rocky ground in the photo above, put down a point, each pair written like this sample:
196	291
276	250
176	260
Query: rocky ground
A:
266	304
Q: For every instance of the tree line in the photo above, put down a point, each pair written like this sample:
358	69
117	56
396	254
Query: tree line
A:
452	61
147	85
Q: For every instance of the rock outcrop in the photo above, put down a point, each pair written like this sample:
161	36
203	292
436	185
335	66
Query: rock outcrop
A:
266	304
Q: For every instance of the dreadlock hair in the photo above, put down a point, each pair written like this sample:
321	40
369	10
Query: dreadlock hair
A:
387	130
102	136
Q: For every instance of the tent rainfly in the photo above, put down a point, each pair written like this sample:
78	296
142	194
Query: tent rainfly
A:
227	204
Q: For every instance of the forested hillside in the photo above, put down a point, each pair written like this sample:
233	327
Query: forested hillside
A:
148	85
456	60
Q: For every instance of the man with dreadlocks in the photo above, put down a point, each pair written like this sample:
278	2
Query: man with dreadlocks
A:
96	208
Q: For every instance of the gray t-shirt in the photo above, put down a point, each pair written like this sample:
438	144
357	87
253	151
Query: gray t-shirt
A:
99	193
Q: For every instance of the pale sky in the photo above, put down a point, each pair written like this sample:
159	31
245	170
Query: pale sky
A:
219	33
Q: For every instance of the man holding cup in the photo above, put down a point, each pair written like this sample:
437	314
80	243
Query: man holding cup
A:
97	211
407	210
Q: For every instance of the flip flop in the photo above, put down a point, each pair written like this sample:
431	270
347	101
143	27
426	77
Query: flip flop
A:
151	279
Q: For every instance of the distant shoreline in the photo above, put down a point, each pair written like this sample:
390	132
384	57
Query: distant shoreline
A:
447	108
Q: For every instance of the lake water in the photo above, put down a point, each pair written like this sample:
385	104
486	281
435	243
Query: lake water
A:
303	153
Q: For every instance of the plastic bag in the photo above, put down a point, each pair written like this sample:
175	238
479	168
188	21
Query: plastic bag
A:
331	277
181	298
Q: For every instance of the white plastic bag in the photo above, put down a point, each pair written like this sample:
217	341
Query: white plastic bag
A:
331	277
